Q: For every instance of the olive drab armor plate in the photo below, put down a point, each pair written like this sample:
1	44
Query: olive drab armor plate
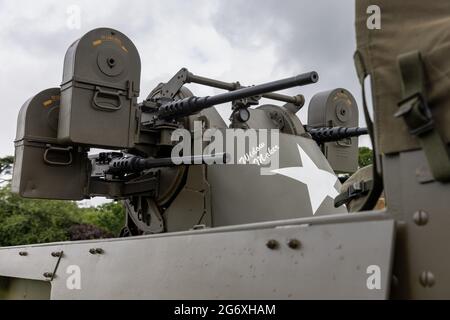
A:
332	109
99	91
43	168
219	263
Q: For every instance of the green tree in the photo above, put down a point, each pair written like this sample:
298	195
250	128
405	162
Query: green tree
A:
5	161
365	157
26	221
109	217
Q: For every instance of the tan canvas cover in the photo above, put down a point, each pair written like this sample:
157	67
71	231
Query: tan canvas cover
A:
405	26
363	175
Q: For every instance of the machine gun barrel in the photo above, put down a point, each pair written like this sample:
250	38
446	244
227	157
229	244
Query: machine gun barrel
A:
326	134
297	100
192	105
136	164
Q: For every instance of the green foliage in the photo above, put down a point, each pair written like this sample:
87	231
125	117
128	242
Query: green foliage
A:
5	161
365	156
109	217
26	221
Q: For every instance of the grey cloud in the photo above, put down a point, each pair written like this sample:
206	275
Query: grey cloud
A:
303	32
307	35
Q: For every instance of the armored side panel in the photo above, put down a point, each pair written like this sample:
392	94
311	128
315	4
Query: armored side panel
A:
334	258
99	90
336	108
44	168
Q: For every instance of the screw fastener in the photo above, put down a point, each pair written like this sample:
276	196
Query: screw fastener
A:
23	253
48	274
56	254
96	251
427	279
294	244
272	244
420	218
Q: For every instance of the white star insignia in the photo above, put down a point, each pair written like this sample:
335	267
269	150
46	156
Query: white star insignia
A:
320	183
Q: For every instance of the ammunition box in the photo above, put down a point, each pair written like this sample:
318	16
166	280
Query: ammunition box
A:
336	108
43	168
99	91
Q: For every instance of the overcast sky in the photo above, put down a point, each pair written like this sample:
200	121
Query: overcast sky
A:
250	41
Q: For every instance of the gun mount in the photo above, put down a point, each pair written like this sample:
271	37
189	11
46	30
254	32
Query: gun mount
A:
97	107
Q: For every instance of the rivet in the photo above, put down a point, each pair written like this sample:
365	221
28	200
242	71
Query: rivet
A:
48	274
294	244
272	244
23	253
427	279
56	254
420	218
96	251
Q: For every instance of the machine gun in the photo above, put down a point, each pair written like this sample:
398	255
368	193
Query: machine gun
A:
192	105
322	135
117	163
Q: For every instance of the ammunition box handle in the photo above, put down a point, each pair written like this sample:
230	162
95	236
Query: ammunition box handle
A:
105	107
58	149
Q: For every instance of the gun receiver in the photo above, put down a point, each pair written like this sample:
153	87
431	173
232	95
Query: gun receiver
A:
322	135
192	105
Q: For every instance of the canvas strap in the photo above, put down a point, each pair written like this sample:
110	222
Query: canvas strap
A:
354	191
414	110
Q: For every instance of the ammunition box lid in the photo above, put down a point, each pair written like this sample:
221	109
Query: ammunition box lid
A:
38	117
104	57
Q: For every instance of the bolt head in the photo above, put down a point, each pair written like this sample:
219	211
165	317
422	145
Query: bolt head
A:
420	218
294	244
272	244
427	279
